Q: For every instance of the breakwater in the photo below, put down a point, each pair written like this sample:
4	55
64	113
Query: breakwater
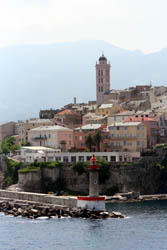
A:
41	198
33	205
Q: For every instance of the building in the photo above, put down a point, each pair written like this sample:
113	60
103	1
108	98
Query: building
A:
6	130
106	109
51	136
37	153
128	136
68	118
48	113
80	134
102	79
24	126
41	154
92	118
119	117
152	128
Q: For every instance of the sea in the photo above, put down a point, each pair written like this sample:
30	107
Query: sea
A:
144	228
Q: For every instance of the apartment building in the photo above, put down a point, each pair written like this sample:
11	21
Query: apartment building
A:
51	136
128	136
24	126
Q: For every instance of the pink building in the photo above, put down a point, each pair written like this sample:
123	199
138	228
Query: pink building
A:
80	135
51	136
152	128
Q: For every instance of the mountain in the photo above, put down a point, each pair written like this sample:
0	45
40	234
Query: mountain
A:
34	77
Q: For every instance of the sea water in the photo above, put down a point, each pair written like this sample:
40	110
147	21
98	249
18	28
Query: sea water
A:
145	228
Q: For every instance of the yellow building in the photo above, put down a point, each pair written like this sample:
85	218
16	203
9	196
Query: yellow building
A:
108	109
128	136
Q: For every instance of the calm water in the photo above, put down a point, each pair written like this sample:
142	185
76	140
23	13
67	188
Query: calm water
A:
144	229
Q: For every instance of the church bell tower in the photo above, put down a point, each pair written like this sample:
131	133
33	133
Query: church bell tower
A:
102	79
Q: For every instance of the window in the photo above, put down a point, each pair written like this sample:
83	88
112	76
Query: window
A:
101	89
81	158
123	117
101	72
125	135
125	127
115	118
138	128
118	128
76	138
111	135
69	135
131	135
80	137
124	143
112	158
73	158
138	135
117	136
101	80
138	143
65	159
111	128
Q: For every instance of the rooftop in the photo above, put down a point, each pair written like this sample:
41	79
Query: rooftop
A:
125	124
105	106
39	148
51	128
89	127
66	112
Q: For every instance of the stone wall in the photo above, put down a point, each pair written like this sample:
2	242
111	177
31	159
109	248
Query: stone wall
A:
144	177
42	198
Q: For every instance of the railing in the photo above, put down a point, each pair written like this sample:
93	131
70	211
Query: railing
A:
39	138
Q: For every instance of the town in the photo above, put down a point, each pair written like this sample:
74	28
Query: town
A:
119	126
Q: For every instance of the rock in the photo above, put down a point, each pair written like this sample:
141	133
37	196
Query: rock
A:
34	211
116	215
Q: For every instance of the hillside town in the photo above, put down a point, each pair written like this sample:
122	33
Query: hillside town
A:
119	126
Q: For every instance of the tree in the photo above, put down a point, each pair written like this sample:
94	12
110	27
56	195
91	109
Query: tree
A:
98	139
89	142
8	145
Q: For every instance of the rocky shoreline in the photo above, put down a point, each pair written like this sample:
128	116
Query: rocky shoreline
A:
34	211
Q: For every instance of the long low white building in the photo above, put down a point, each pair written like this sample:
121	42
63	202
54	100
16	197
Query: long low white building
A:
31	154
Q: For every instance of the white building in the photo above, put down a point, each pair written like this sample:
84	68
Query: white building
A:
51	136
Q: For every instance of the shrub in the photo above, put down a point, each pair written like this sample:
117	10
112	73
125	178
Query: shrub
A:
80	167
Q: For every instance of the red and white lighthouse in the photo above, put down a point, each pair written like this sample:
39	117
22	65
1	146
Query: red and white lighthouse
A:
93	201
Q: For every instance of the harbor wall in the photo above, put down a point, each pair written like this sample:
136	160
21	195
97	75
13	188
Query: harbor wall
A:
41	198
143	177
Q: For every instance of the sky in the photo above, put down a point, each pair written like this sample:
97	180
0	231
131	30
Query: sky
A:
130	24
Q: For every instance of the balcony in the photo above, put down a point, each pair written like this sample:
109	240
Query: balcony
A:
39	138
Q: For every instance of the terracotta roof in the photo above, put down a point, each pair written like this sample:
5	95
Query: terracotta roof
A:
66	112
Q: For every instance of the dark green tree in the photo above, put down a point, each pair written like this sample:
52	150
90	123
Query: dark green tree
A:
89	141
8	145
98	139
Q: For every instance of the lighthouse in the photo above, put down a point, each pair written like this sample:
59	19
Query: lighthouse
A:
93	201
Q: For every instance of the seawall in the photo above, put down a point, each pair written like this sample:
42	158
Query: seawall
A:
41	198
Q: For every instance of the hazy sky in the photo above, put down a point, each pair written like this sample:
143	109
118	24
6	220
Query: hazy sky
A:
131	24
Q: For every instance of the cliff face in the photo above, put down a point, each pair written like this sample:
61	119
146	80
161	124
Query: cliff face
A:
147	177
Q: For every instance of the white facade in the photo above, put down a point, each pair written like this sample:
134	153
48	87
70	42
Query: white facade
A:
51	136
31	154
